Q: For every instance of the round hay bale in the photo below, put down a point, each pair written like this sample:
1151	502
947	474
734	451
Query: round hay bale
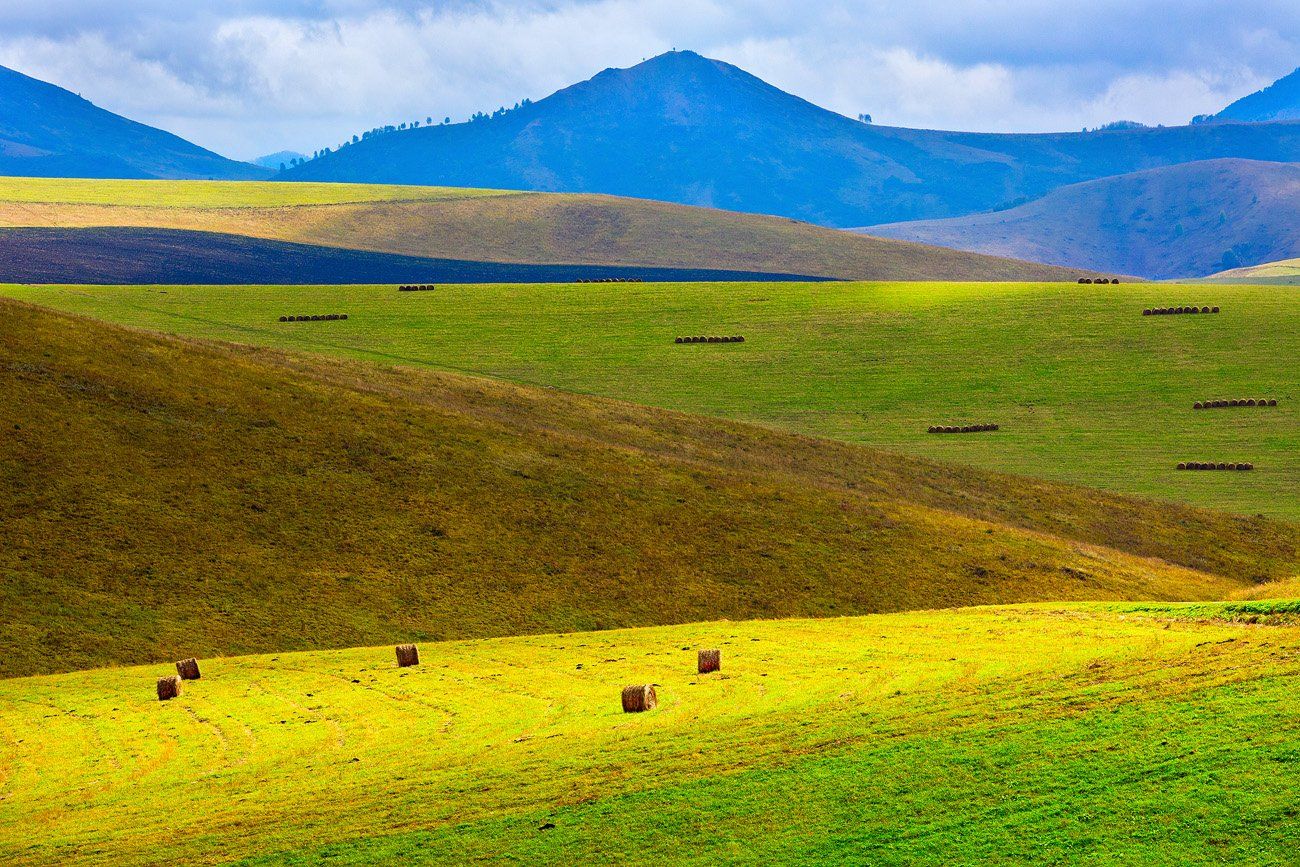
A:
344	316
1114	281
1205	309
284	318
1272	401
1214	309
637	699
1221	467
1146	312
677	340
1182	466
709	661
407	655
169	687
995	426
931	429
1250	466
1193	310
188	669
1250	401
1198	405
1083	280
740	338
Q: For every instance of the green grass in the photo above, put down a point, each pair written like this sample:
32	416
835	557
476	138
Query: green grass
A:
1041	734
162	497
1086	389
217	194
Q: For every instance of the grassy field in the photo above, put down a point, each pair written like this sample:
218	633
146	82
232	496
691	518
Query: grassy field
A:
1043	734
162	497
486	225
208	195
1086	389
1283	273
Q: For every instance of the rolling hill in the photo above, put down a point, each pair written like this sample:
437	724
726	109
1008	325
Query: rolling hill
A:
1086	389
1280	101
1285	272
151	256
46	131
1120	734
163	497
1188	220
687	129
494	226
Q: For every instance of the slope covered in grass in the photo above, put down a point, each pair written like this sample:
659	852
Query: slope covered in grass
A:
488	225
1086	389
1041	734
163	497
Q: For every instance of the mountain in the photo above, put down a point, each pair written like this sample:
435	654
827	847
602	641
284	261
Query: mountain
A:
278	159
165	497
1279	101
46	131
684	128
1180	221
484	226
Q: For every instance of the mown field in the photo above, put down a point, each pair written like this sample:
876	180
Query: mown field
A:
161	497
1085	388
492	226
1157	735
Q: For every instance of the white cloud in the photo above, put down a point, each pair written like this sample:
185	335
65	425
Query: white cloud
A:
258	75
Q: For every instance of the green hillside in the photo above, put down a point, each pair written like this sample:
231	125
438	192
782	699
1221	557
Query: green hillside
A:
1285	272
1157	735
488	225
165	497
1085	388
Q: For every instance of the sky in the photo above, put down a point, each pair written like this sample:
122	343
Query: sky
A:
249	77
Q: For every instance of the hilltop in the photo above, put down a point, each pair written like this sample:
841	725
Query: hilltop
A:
163	497
687	129
1280	101
481	225
1189	220
1044	734
47	131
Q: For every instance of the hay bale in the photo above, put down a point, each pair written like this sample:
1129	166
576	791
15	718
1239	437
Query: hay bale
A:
1214	309
1272	401
932	429
1114	281
188	669
344	316
1198	405
284	318
1193	310
407	655
1221	467
1083	280
709	661
1205	310
1182	466
1250	401
637	699
677	340
169	687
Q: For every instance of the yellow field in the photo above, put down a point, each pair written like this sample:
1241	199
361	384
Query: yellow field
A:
486	740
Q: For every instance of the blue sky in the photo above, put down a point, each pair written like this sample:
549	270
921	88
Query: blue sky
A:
254	76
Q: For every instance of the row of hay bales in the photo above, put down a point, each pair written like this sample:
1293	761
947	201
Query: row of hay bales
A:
733	339
323	317
1174	311
1217	404
967	428
610	280
636	699
427	287
1100	280
1200	465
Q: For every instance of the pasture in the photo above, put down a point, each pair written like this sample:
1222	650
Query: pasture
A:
1120	734
1084	388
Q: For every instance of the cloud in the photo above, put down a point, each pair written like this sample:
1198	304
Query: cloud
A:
252	76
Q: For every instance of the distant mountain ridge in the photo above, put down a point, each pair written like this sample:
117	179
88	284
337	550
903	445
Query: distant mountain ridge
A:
46	131
1188	220
683	128
1280	101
